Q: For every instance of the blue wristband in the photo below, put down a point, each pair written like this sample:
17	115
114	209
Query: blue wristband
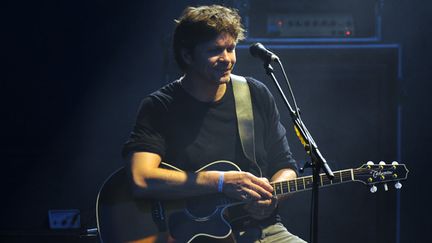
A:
220	182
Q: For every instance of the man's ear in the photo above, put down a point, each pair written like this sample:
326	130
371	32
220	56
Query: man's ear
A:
186	55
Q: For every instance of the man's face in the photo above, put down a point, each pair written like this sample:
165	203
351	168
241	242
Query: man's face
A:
214	60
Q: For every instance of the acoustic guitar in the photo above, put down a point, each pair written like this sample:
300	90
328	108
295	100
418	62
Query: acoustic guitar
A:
123	218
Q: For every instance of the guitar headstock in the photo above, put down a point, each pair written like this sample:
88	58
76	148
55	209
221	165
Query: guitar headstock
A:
371	174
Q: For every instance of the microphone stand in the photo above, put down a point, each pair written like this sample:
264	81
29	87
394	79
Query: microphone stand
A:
317	160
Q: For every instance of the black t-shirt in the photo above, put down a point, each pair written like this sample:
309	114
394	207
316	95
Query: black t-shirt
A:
190	134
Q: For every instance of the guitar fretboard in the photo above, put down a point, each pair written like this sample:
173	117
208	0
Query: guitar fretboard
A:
305	183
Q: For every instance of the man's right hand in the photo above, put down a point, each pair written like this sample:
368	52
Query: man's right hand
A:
245	186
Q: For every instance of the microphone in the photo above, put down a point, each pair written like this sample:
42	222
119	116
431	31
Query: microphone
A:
258	50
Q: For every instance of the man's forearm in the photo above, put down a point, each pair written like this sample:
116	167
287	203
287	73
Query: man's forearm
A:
284	174
152	181
170	184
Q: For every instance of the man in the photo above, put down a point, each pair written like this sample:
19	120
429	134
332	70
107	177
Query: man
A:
191	122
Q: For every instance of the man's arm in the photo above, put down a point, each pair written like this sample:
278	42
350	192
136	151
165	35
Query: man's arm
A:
151	181
283	175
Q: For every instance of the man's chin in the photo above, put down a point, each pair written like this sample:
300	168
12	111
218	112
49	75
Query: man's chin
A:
225	78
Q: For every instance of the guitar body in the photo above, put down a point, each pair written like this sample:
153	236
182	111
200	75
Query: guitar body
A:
123	218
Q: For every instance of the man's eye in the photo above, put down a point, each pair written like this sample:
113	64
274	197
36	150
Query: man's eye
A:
215	50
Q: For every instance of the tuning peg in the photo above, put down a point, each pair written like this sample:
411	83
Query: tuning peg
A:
370	163
398	185
382	163
385	187
373	189
395	163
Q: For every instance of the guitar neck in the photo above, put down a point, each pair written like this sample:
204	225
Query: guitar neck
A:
305	183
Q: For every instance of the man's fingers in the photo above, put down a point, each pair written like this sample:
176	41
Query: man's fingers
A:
249	194
262	187
261	191
246	186
264	183
261	203
259	185
267	204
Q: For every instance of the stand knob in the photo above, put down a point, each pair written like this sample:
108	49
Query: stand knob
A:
373	189
398	185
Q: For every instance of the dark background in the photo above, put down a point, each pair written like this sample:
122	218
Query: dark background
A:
73	74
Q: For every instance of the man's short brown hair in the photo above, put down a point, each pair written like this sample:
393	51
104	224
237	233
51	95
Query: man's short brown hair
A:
201	24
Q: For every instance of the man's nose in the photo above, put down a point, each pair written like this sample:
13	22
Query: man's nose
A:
224	56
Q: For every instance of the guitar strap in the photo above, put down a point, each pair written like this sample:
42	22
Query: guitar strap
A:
245	121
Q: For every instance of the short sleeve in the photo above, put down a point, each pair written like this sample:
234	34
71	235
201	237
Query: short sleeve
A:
147	135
